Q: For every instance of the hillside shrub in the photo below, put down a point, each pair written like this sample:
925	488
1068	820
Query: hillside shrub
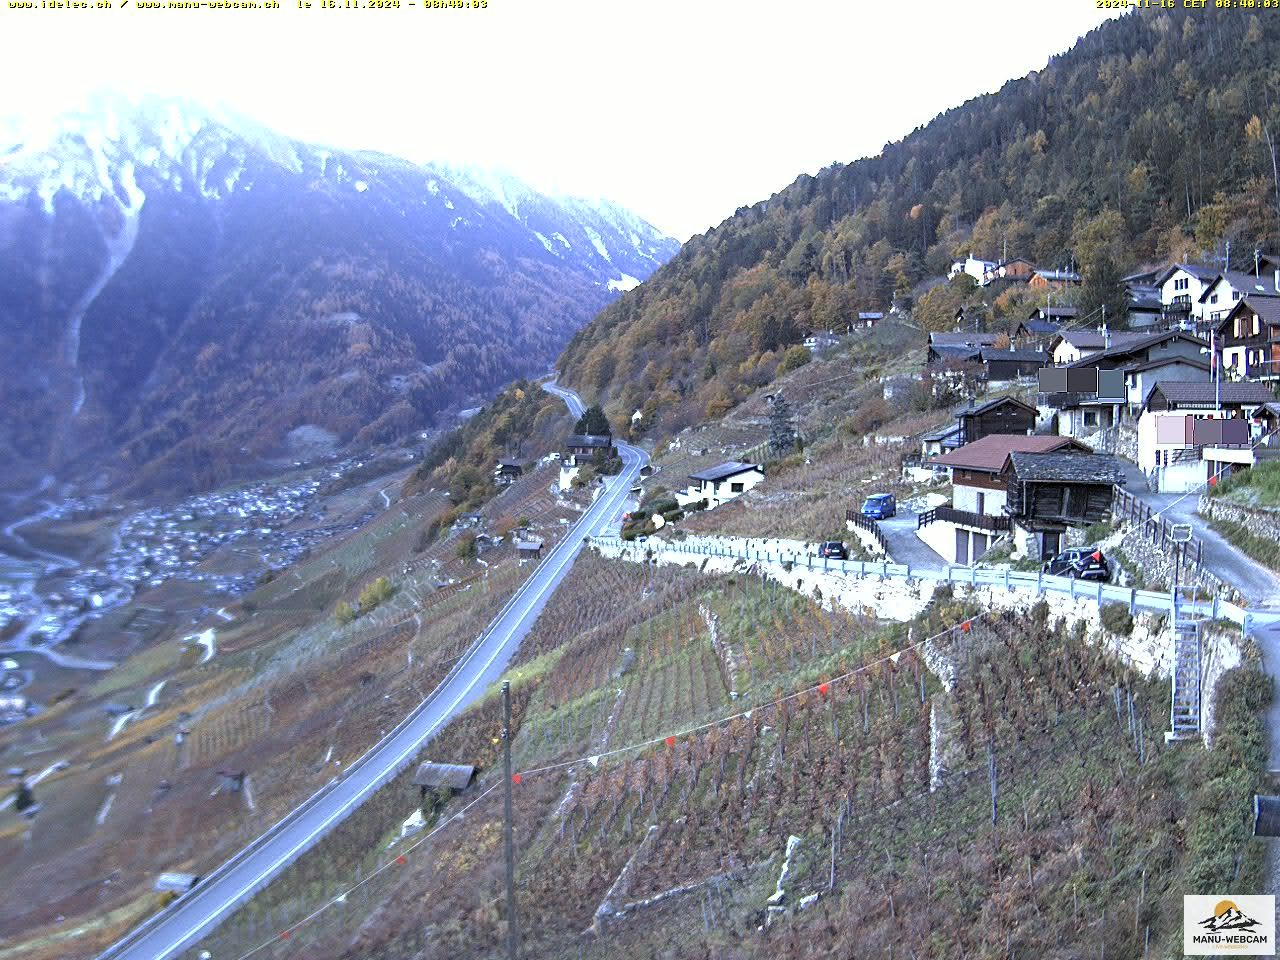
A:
795	358
1116	619
344	614
1221	850
374	594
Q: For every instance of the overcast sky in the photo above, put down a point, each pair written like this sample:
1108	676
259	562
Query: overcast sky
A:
682	110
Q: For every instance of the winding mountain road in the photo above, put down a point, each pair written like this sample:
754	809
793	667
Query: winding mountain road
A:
218	895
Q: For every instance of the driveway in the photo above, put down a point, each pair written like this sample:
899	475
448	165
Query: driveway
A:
904	546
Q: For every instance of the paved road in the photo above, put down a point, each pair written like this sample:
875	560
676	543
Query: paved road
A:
219	895
904	546
1248	576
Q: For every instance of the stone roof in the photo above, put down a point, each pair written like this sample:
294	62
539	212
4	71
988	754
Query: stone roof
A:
1207	392
455	775
1067	468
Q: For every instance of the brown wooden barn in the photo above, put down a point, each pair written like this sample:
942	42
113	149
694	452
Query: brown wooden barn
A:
1049	492
1001	415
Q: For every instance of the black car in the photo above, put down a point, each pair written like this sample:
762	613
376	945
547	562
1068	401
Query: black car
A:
1080	563
833	550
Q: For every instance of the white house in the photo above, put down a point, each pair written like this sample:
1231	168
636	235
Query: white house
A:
973	267
1071	346
1182	286
1232	286
721	484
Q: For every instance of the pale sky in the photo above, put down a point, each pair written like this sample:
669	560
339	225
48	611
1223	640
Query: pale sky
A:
682	110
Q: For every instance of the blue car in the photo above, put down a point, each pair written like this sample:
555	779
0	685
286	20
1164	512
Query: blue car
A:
880	506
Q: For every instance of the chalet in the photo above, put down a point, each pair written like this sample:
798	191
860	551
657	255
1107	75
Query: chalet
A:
528	548
972	316
1146	278
1072	345
507	471
1226	398
1017	269
1000	415
1053	279
1004	365
722	483
961	346
1140	378
976	518
1143	305
1181	287
1005	415
1232	286
869	318
1055	315
1249	338
1140	361
1049	492
586	444
1146	348
939	441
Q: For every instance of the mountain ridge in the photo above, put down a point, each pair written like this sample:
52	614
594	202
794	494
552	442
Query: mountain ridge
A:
185	288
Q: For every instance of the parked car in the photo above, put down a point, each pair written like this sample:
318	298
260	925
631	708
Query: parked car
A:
833	550
1080	563
880	506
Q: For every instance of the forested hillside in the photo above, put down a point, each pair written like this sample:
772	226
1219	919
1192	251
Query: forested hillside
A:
188	297
1118	153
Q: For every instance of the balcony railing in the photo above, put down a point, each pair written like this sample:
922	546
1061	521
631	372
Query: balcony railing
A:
965	518
1261	369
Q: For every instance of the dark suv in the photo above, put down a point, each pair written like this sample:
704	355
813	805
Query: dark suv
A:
833	550
1080	563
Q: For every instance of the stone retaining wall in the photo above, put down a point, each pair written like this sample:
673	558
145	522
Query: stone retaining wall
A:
1265	523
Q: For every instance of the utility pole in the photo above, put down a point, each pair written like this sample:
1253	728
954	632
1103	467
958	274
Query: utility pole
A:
508	840
1226	261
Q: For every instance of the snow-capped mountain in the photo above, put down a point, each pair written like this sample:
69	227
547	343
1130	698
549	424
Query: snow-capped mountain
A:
181	288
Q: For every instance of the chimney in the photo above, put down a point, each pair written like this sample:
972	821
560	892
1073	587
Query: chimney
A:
1277	281
1106	337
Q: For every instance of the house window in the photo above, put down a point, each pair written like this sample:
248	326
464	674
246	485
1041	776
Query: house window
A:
982	503
735	487
1235	294
1214	298
1091	418
1255	324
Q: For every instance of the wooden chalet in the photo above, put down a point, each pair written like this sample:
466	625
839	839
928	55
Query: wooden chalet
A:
1049	492
1011	364
1249	338
1001	415
529	548
508	471
586	444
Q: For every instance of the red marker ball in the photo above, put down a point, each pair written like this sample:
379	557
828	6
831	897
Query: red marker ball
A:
515	778
671	741
964	627
401	860
823	688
